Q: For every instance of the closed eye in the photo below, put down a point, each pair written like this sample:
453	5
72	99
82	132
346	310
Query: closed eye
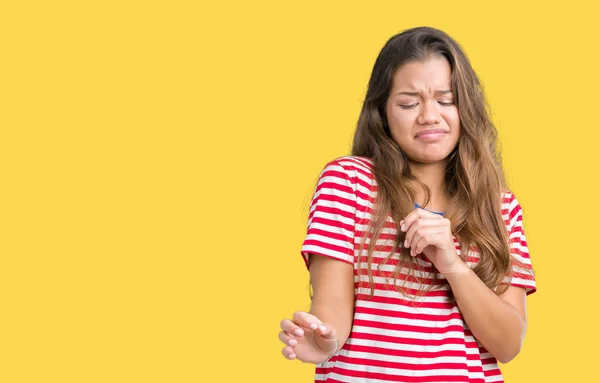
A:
443	103
409	106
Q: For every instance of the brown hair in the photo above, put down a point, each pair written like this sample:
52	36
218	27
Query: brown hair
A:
474	175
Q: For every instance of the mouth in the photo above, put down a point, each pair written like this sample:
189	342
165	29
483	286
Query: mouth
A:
431	133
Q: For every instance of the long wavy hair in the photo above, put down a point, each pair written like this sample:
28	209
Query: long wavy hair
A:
474	176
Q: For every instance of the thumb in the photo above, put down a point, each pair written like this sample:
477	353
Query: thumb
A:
326	338
326	331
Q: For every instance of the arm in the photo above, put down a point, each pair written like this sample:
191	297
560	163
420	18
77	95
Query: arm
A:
498	322
314	337
333	294
328	250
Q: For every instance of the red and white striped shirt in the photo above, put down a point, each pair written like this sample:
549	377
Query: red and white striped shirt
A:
394	338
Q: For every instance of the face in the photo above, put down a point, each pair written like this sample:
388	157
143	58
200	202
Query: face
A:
421	112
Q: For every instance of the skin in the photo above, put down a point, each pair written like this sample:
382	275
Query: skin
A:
424	121
421	101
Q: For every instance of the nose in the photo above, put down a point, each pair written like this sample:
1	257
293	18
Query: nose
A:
430	113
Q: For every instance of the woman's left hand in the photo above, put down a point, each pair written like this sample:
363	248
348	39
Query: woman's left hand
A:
430	234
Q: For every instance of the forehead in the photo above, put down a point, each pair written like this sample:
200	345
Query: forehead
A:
431	73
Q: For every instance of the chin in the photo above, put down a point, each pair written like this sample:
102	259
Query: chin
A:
430	158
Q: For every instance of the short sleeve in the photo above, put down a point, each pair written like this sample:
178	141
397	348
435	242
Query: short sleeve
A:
331	218
522	269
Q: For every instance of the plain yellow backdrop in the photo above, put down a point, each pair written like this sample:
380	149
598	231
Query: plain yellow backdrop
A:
157	159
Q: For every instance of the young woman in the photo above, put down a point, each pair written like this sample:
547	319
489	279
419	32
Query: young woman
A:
416	250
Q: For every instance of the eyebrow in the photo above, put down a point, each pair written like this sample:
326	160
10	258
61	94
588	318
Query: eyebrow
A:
414	94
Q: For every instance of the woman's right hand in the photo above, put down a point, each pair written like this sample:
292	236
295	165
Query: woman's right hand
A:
307	338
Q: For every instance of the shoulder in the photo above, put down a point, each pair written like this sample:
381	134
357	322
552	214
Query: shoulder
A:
507	197
351	175
358	168
511	208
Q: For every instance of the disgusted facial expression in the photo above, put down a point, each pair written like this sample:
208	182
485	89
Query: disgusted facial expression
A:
421	111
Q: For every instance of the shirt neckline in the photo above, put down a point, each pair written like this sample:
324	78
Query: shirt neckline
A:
434	212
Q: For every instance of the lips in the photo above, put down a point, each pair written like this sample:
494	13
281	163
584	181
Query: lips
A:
430	132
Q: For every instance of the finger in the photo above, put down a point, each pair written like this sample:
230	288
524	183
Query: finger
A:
418	237
327	331
306	320
423	213
287	339
425	237
409	219
423	242
439	239
415	215
420	227
291	328
326	338
288	352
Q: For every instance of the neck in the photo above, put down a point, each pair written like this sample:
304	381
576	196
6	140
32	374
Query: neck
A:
432	175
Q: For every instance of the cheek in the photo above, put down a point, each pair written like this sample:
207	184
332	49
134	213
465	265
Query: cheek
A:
453	119
401	120
401	131
455	129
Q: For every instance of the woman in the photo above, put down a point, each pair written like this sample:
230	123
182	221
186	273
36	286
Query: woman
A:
416	250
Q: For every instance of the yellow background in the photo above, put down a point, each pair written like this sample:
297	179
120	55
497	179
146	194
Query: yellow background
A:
157	159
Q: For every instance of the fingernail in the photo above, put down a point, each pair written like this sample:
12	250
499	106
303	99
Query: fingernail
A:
406	243
292	342
299	332
402	227
291	356
322	328
313	326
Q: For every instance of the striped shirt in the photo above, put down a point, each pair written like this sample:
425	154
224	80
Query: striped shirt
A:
393	338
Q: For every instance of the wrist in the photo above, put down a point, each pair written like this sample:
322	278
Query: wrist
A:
458	270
